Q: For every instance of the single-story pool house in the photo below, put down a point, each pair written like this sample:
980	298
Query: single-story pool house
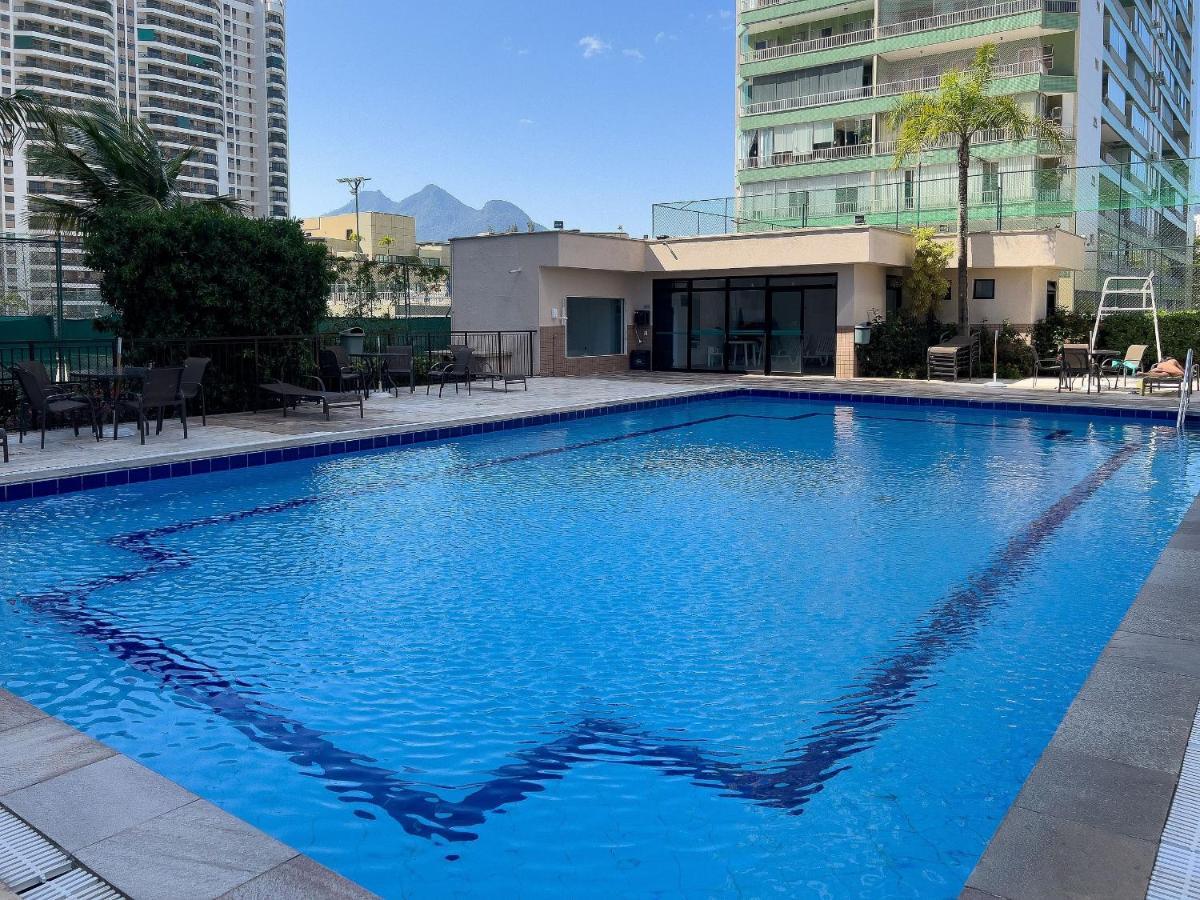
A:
781	302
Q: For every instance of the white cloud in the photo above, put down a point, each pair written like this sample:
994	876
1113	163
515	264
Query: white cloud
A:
634	53
593	46
525	122
663	36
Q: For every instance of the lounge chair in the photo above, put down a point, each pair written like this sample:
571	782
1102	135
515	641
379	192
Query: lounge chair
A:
336	369
160	391
952	355
1130	365
192	383
44	403
292	394
398	369
482	370
1150	381
456	372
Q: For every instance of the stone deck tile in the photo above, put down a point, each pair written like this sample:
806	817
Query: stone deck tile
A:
1090	817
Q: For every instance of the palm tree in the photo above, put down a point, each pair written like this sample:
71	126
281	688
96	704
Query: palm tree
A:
386	243
961	107
16	112
101	157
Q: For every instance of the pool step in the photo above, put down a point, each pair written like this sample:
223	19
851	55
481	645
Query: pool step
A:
35	869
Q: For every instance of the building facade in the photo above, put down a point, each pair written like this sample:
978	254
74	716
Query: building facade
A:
816	80
209	74
785	302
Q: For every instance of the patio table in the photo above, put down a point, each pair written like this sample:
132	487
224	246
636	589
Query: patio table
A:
374	365
110	380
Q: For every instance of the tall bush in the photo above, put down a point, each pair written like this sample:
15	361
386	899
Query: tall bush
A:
188	272
926	284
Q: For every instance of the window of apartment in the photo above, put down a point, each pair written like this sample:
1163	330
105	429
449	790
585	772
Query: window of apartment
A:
1113	91
595	326
985	289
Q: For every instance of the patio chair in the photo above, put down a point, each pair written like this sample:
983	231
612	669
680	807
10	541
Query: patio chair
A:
48	385
1045	365
398	369
337	370
44	404
192	383
161	390
1130	365
294	394
4	443
1076	363
482	370
456	372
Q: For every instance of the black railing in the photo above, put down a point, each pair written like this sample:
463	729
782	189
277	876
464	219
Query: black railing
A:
239	364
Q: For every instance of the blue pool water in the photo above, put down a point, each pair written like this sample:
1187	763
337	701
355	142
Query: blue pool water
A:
741	647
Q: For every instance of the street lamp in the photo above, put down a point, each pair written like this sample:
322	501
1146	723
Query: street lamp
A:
355	183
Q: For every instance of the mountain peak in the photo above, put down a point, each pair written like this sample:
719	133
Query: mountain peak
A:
441	216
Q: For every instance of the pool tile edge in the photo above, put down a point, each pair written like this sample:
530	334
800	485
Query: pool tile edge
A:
1079	843
290	449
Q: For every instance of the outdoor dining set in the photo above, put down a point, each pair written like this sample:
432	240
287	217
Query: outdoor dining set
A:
1088	366
94	394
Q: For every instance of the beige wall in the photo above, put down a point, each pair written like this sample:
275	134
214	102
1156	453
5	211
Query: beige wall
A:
374	227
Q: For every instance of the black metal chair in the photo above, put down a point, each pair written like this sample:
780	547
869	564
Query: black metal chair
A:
457	371
42	404
1076	363
4	443
45	382
1045	365
161	390
398	369
337	370
192	383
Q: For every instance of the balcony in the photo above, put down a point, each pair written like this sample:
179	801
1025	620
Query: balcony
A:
847	39
886	89
865	150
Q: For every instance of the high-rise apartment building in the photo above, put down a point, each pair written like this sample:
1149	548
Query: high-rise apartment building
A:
209	74
817	79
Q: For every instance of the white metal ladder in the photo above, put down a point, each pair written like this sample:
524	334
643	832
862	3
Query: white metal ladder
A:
1128	293
1185	391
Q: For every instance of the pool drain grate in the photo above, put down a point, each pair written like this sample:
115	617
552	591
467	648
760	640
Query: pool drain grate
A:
1177	868
35	869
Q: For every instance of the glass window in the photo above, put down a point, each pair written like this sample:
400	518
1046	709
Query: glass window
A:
595	326
985	289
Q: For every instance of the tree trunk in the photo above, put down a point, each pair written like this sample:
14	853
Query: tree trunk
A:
964	168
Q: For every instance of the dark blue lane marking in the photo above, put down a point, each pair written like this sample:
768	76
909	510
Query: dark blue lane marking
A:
851	724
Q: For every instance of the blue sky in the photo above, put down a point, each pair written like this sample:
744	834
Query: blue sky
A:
582	110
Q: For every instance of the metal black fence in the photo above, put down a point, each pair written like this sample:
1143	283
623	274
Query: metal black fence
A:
239	364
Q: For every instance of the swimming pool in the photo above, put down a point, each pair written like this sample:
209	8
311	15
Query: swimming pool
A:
745	646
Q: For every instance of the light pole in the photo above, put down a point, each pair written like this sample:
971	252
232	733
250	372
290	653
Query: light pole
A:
355	183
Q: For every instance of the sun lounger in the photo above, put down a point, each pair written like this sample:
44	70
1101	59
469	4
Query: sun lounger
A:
292	394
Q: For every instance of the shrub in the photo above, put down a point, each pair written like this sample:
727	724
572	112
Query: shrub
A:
898	345
926	284
188	272
1014	352
1180	331
1063	327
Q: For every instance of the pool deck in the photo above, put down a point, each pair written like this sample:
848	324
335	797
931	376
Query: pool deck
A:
103	818
1087	823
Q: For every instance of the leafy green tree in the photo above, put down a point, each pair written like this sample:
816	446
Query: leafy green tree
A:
190	272
926	284
962	106
102	157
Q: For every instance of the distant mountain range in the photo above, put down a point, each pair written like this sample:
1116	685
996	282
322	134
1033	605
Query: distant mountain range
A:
441	216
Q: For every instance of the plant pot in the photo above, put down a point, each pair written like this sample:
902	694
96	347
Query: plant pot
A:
353	339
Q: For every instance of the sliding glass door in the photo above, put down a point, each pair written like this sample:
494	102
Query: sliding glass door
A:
784	324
